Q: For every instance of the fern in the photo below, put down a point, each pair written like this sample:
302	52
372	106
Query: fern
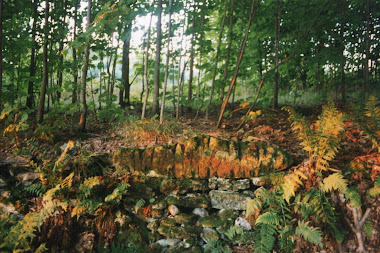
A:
375	191
335	182
309	233
36	189
216	247
371	123
268	218
323	141
234	231
291	182
265	238
353	196
253	205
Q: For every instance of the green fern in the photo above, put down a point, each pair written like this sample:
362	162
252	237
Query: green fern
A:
335	181
375	191
268	218
353	196
233	231
309	233
216	247
371	123
265	238
36	189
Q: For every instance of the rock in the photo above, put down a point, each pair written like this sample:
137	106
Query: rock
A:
173	232
228	214
168	242
173	210
228	200
85	243
153	226
27	178
201	212
189	201
184	218
229	184
159	205
211	221
243	223
168	222
182	186
209	234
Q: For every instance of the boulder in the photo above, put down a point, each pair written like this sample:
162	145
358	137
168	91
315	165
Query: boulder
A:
228	200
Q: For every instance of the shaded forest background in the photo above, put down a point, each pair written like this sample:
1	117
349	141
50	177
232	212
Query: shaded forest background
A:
79	53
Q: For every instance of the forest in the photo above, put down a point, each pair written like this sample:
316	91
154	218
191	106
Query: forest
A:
189	126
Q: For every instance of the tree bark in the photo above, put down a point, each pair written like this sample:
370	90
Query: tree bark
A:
230	29
45	77
146	71
83	116
1	53
367	52
125	67
276	59
156	84
200	58
74	97
167	64
216	59
61	44
32	68
238	62
342	64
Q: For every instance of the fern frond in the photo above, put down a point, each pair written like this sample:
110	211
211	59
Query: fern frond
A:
233	231
269	218
353	196
291	182
253	205
265	239
335	181
309	233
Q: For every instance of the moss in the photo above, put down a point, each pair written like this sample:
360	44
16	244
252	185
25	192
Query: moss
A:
183	218
168	222
211	221
228	214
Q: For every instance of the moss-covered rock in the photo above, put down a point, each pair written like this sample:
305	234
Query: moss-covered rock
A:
184	218
211	221
202	157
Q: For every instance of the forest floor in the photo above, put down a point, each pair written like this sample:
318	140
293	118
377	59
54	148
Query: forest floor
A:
272	126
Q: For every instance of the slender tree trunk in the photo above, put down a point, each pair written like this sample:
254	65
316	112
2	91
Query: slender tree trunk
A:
1	53
32	68
156	86
75	67
114	68
179	73
143	76
276	59
45	77
125	68
367	52
342	64
180	90
238	62
200	59
167	64
216	59
61	44
230	29
83	116
190	89
146	71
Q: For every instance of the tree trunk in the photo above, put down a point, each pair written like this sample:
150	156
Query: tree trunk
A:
61	44
45	77
276	59
200	58
114	68
179	73
83	116
216	59
342	64
367	52
75	70
125	68
180	90
230	29
146	71
238	62
156	85
32	68
167	64
1	53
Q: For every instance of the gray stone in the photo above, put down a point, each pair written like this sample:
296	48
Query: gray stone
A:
201	212
243	223
168	242
152	226
173	210
209	234
228	200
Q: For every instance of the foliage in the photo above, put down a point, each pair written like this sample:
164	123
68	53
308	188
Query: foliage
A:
375	190
15	120
322	139
311	234
216	247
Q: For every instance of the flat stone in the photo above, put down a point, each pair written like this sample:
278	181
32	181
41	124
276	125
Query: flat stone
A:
243	223
201	212
173	210
184	218
228	200
168	242
209	234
